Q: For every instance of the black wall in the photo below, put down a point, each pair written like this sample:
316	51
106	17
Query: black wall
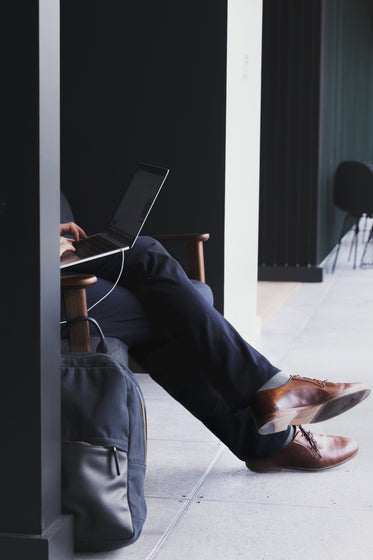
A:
145	81
290	138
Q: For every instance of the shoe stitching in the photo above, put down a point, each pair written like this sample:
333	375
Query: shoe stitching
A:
310	439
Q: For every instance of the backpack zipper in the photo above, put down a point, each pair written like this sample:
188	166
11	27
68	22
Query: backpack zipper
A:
114	450
116	459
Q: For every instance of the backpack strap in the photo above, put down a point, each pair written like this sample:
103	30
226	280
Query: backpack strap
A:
102	345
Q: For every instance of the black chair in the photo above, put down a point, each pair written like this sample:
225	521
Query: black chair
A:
353	193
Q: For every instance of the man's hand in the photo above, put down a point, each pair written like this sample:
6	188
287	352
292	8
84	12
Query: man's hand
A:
73	230
66	245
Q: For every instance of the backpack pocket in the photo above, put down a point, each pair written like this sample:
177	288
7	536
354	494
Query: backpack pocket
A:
95	491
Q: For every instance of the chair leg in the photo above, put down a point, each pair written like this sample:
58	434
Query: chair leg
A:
370	236
340	240
356	242
365	228
352	245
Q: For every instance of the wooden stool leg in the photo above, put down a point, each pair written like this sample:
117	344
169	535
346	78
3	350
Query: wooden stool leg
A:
74	291
76	306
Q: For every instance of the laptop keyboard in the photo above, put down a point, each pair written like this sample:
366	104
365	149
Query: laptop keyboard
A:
93	245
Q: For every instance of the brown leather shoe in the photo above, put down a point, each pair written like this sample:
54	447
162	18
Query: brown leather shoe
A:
303	401
308	452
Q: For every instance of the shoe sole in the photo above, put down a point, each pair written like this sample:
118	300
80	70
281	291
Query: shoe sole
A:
311	414
273	469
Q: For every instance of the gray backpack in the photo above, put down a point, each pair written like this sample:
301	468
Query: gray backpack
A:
103	451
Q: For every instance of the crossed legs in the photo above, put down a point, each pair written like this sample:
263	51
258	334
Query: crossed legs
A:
193	352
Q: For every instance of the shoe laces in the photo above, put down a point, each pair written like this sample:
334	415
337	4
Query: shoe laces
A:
318	381
309	437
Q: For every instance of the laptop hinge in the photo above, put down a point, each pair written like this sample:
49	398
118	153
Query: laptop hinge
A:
119	234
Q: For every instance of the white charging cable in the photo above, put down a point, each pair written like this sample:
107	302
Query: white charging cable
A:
109	292
112	288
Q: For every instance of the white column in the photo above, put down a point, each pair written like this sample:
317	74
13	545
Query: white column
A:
244	52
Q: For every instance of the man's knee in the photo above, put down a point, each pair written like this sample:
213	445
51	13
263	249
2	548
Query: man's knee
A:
145	243
149	257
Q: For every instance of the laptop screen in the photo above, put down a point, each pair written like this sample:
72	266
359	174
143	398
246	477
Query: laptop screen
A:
138	200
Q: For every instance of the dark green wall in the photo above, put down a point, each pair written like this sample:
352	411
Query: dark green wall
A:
317	110
346	101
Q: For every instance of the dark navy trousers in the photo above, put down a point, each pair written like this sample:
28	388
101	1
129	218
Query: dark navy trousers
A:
184	343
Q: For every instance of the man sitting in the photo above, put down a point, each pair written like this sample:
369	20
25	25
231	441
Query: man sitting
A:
193	352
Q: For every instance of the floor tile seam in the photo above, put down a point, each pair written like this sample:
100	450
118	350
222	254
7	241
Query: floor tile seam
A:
173	524
202	499
188	501
171	498
333	507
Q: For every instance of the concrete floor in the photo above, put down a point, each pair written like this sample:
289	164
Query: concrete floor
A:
204	504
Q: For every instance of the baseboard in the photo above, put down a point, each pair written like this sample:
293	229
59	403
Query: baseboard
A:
290	273
56	543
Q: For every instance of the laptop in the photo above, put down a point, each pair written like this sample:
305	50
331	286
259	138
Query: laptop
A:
127	221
